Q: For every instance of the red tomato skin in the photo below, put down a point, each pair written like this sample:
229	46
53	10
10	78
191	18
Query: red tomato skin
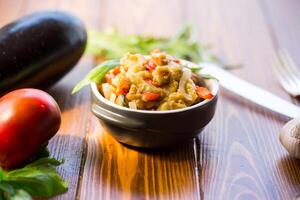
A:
28	119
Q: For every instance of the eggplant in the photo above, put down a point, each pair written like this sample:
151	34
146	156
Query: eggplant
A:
39	49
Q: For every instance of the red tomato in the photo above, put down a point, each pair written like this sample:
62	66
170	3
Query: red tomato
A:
28	119
150	96
203	93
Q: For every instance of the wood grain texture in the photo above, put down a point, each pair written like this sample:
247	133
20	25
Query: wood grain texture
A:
69	143
112	171
241	155
284	26
238	156
10	10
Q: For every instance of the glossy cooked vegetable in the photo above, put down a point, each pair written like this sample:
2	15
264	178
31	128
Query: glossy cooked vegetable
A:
155	82
38	49
28	119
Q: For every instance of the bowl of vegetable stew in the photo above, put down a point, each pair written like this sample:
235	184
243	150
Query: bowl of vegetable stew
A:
165	118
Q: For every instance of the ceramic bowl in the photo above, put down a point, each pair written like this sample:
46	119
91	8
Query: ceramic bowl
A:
154	129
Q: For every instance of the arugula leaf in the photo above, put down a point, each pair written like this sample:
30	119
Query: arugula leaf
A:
208	76
194	68
97	74
111	44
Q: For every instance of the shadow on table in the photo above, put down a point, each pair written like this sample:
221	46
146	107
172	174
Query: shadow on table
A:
165	151
290	168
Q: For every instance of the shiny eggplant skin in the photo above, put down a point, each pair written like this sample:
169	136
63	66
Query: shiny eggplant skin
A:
38	49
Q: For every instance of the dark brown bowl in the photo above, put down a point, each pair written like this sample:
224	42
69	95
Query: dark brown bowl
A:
153	129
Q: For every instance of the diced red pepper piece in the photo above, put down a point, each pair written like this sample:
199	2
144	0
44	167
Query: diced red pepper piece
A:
116	71
203	93
177	61
123	87
150	66
150	96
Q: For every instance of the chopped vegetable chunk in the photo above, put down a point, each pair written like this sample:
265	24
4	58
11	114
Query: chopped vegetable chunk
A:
150	96
204	93
155	82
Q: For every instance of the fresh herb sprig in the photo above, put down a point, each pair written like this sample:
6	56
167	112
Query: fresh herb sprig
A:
96	74
37	179
112	44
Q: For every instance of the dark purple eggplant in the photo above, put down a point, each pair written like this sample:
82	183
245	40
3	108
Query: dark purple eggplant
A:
38	49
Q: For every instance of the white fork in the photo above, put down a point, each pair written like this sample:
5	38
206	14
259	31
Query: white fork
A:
287	73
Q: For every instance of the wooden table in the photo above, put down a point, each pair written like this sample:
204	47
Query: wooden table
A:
238	156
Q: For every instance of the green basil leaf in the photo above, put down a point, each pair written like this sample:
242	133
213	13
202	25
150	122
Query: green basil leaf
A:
38	178
5	187
1	174
2	195
97	74
19	195
39	183
8	192
44	162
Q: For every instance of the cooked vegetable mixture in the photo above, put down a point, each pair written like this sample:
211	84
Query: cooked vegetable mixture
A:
155	82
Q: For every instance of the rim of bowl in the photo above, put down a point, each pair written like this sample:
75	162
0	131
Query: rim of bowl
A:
211	83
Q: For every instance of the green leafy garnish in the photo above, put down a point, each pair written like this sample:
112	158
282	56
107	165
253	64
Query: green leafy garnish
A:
19	195
111	44
194	68
38	179
97	74
197	69
208	76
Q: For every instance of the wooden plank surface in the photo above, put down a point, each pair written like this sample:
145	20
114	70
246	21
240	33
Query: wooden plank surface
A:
238	156
69	143
242	156
113	171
